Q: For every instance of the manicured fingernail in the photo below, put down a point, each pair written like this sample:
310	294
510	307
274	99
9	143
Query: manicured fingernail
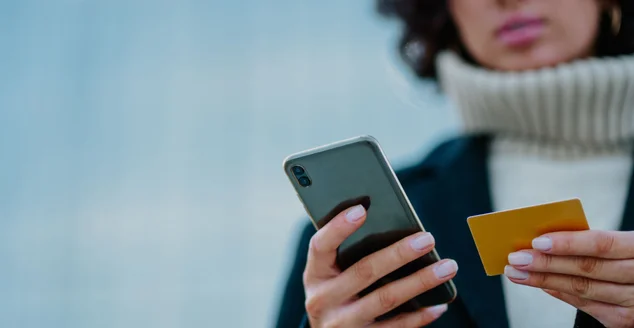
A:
421	242
355	213
543	243
513	273
520	258
438	310
446	269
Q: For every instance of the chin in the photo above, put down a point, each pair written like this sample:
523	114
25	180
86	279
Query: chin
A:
533	59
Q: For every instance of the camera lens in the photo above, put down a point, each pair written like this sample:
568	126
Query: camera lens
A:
298	170
304	181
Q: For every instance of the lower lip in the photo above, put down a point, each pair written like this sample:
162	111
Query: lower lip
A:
523	36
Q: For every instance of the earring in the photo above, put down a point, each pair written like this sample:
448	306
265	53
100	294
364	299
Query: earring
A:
616	19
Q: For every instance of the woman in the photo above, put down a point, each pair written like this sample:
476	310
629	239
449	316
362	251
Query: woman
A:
545	89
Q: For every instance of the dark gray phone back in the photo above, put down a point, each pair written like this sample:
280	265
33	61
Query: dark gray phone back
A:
334	177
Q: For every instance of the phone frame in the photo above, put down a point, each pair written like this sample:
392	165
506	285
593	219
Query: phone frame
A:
387	167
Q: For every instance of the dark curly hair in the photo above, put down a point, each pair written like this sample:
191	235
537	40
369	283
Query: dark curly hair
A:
429	29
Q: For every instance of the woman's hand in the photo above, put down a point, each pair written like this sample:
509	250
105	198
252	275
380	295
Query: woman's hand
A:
331	299
590	270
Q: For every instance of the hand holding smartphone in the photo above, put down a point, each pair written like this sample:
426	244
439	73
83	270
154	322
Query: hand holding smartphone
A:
371	260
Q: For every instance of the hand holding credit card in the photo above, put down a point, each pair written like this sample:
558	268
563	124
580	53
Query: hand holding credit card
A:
550	247
498	234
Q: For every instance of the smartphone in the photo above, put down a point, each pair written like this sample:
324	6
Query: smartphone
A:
334	177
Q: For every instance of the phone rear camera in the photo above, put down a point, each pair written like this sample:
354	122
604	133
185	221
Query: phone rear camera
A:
298	170
304	181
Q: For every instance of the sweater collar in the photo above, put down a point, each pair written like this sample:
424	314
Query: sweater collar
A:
587	104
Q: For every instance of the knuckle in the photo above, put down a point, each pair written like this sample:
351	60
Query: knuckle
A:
580	285
387	299
546	260
306	277
315	305
539	279
625	318
334	324
629	301
629	318
424	283
588	265
402	324
604	244
424	318
402	252
581	302
364	270
566	245
313	245
626	267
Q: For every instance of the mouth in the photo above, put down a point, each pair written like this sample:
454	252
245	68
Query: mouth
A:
520	30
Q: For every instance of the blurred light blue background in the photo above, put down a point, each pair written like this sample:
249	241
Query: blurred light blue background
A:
141	145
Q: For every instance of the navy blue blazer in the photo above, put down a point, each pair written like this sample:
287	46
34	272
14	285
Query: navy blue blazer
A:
450	185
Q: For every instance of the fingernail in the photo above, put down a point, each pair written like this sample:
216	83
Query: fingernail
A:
421	242
543	243
513	273
355	213
446	269
520	258
438	310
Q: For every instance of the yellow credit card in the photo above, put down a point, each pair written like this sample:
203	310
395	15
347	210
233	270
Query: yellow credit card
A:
498	234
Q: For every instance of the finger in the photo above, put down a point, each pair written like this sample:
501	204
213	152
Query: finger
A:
586	288
375	266
368	270
603	244
618	271
578	302
420	318
605	313
388	297
322	251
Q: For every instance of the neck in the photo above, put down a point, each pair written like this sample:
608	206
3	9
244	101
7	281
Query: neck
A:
585	105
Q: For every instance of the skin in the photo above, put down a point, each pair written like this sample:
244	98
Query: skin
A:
571	26
592	271
331	299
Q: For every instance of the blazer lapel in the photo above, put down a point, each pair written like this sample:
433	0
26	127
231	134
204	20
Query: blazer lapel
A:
459	190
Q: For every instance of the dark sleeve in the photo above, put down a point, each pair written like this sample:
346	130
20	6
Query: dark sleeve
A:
292	313
584	320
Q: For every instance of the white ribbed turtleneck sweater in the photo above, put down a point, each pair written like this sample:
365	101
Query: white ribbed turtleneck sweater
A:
559	133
